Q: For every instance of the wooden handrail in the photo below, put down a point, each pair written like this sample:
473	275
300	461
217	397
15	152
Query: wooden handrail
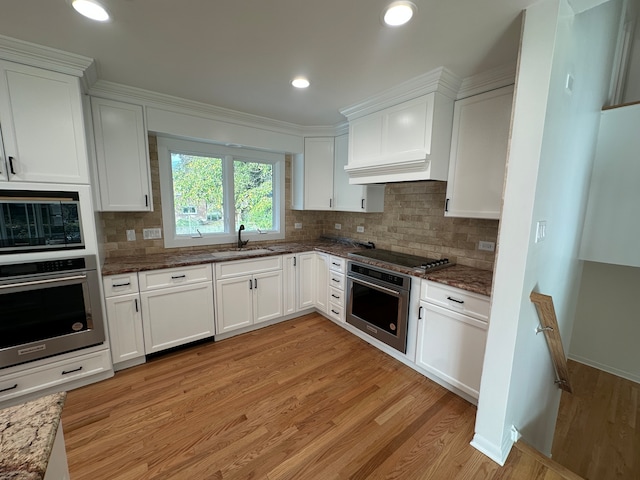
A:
549	326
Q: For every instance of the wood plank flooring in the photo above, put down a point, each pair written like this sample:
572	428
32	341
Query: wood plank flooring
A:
304	399
598	431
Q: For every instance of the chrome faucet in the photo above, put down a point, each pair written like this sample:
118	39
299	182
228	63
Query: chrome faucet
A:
240	242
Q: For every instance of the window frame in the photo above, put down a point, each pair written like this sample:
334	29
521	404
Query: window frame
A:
169	145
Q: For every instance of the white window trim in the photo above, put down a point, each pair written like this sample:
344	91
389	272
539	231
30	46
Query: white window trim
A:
166	145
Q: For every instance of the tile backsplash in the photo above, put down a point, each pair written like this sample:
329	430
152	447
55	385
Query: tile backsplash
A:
412	222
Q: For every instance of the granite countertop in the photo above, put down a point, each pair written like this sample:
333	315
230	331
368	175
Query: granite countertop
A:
27	433
459	276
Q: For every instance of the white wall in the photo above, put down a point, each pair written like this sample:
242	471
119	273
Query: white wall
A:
607	326
632	85
548	172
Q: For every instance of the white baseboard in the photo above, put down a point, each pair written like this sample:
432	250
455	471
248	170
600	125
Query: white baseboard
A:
606	368
497	453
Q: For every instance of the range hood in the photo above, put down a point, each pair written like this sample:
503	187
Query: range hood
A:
403	134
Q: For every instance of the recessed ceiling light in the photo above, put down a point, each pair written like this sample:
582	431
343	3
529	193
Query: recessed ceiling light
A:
300	82
91	9
398	13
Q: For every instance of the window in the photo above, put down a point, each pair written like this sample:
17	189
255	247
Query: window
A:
208	191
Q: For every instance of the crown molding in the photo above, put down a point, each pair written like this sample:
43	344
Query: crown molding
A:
116	91
440	80
27	53
490	80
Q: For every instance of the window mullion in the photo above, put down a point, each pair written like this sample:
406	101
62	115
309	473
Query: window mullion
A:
228	193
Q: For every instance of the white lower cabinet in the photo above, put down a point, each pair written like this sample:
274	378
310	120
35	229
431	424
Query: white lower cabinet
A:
451	341
177	306
124	316
307	280
177	315
248	292
336	298
322	282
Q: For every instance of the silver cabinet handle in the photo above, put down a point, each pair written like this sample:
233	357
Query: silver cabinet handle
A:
43	282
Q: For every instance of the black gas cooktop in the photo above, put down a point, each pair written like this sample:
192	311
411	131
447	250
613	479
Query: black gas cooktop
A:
402	259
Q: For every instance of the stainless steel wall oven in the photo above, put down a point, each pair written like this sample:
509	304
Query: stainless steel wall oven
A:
378	303
48	308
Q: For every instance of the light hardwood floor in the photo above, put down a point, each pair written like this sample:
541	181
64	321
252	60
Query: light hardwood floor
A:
303	399
598	430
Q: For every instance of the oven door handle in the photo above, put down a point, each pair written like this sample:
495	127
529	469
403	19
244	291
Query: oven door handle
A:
377	287
42	282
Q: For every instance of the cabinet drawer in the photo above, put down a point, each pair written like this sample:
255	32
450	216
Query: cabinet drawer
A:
247	267
336	296
120	284
456	299
336	312
172	277
337	264
336	280
28	381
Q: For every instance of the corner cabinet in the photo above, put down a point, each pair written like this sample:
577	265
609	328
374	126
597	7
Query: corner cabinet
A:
42	126
122	156
479	142
321	182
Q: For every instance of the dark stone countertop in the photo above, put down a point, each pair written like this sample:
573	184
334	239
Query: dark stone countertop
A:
460	276
27	433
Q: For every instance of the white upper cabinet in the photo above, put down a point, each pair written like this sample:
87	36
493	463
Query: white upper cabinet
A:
41	122
479	143
353	198
405	142
318	173
321	183
612	223
122	156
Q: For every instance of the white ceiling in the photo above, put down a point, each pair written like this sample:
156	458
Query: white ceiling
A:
242	54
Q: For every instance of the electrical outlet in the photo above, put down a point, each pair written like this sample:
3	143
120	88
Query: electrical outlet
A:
360	229
131	235
338	226
486	246
151	233
297	226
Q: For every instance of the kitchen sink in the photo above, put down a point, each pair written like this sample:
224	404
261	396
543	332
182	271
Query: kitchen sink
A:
241	252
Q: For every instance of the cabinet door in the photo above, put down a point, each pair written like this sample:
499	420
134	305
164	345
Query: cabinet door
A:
121	154
42	125
178	315
267	296
125	327
451	346
322	279
4	166
479	145
307	279
352	198
234	301
318	173
290	283
408	127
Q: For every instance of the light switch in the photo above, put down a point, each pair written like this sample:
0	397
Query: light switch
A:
131	235
541	230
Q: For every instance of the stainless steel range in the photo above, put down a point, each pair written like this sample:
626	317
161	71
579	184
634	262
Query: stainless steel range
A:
378	299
